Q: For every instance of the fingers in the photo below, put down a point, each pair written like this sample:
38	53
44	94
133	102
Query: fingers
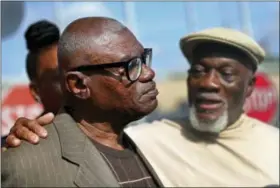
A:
12	141
35	127
25	128
25	134
29	130
45	119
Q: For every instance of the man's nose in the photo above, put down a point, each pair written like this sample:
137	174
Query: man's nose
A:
210	82
147	74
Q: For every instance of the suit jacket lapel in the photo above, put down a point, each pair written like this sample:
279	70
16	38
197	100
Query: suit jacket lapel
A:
77	148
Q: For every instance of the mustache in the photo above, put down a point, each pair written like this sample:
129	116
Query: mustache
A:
209	96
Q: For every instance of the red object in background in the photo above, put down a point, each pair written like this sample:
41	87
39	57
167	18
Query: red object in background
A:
263	102
18	102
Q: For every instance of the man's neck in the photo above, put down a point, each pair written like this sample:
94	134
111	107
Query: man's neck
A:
103	134
104	130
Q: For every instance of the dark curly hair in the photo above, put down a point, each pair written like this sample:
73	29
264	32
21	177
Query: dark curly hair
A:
39	35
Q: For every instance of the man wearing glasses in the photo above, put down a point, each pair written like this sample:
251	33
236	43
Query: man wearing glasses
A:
218	145
107	83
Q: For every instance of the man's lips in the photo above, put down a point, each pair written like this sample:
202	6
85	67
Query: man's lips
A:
151	91
206	106
208	102
151	87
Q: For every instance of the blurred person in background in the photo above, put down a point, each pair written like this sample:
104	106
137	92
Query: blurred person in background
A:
218	145
41	64
42	68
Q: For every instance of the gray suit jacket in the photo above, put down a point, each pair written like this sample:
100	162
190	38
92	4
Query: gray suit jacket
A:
67	158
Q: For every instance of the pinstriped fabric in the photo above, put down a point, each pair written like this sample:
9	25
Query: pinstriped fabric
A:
65	159
37	165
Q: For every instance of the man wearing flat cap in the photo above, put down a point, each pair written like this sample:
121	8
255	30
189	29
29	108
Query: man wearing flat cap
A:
218	145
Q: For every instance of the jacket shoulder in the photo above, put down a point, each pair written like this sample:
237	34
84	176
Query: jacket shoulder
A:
23	165
27	148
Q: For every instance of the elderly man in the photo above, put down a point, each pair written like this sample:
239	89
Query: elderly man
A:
218	145
107	83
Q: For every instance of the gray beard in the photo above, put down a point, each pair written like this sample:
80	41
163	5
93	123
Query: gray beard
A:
203	126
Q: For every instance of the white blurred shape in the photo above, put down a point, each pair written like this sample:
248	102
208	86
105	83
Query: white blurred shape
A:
66	13
130	17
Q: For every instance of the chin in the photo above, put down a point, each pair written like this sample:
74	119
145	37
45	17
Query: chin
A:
212	125
143	109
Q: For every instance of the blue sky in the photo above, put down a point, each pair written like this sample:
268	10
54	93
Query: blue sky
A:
157	24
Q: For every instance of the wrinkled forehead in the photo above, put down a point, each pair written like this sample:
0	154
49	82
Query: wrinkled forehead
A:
109	49
106	47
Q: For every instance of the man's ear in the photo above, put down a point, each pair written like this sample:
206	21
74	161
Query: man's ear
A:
251	86
76	84
34	91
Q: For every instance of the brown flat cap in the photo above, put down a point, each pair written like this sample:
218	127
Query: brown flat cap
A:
225	36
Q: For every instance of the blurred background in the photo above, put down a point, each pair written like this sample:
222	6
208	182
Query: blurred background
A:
159	25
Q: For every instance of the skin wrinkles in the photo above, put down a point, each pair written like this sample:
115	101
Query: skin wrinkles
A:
223	73
100	103
104	47
96	98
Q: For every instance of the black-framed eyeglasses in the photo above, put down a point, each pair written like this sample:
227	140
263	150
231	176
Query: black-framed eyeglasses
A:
133	67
